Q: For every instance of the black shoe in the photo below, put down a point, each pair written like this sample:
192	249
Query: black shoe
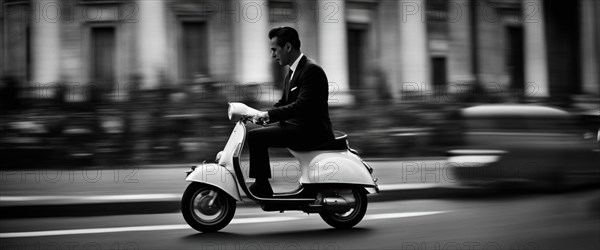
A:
261	189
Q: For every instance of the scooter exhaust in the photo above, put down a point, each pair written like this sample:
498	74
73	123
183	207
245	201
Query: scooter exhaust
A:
336	204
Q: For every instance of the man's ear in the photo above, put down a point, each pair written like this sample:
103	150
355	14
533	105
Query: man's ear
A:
288	47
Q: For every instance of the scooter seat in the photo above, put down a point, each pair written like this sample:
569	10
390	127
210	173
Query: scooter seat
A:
339	143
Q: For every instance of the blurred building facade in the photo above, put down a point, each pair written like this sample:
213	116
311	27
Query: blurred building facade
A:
531	48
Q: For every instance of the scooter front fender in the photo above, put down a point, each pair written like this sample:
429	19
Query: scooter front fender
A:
218	176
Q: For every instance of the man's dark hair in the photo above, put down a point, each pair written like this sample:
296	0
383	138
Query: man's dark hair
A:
285	35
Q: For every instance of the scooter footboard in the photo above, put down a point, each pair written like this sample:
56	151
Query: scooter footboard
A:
216	175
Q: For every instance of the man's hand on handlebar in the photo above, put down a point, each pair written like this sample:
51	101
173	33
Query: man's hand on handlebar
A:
261	118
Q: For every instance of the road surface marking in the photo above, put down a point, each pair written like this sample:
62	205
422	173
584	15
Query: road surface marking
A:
185	226
92	231
135	229
400	215
127	197
407	186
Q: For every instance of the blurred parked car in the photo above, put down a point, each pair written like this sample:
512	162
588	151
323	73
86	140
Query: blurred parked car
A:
590	121
24	136
522	144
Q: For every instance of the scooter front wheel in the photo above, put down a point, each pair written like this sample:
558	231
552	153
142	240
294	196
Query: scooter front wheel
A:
353	216
207	208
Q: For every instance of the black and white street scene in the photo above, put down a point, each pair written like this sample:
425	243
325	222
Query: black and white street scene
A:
299	124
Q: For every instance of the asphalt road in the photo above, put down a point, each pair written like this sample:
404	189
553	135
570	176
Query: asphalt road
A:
524	222
43	186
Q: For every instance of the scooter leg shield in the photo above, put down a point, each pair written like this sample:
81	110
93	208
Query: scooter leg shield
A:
218	176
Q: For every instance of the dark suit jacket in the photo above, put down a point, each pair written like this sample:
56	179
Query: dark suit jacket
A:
306	103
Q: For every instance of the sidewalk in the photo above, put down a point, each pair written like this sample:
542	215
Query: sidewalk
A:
158	188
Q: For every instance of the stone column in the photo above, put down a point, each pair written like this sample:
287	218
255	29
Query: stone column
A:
414	56
305	19
253	56
2	48
333	49
590	65
536	62
46	48
152	42
387	46
14	49
459	54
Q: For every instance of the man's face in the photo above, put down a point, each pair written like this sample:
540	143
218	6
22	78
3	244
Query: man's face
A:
280	54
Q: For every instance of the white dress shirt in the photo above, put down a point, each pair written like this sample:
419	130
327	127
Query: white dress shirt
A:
295	65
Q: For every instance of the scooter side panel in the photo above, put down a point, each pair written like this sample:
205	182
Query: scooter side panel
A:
218	176
333	167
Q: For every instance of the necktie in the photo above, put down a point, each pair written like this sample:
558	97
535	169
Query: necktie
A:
288	79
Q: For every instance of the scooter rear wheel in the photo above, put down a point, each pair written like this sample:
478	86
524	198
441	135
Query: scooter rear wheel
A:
207	208
351	217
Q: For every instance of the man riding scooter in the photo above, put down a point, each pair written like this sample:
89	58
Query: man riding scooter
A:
334	180
302	112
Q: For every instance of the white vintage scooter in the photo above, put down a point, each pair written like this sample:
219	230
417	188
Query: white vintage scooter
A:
334	182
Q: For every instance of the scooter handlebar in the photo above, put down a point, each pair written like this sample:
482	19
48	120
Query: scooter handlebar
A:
250	118
241	112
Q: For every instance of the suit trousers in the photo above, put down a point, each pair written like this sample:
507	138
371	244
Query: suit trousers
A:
282	135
